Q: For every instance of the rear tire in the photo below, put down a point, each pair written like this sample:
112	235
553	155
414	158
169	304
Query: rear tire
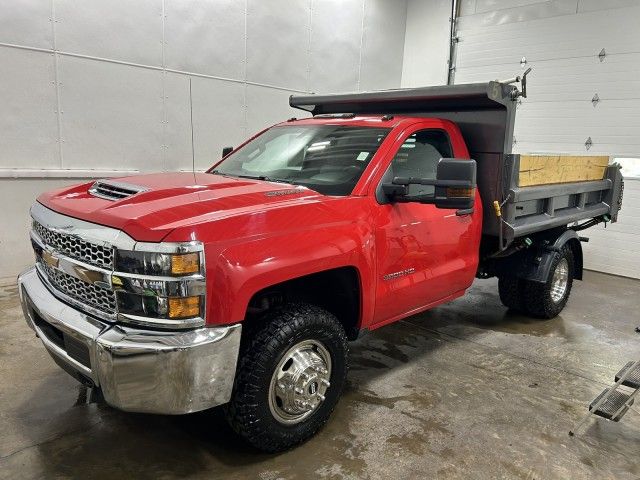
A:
510	290
547	300
291	372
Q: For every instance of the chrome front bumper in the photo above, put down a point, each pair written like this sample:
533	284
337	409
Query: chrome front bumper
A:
167	372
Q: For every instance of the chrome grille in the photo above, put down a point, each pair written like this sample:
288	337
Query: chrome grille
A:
84	292
75	247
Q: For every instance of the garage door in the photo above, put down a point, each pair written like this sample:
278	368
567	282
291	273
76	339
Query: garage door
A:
584	92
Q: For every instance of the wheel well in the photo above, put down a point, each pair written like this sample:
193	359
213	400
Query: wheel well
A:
534	263
336	290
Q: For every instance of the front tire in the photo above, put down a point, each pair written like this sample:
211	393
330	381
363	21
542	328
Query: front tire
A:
291	372
548	299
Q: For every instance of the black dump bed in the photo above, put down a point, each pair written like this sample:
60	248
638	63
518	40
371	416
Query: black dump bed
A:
485	114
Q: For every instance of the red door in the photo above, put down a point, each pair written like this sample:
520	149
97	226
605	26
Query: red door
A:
425	254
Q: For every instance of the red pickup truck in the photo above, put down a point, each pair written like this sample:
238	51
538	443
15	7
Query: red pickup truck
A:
177	292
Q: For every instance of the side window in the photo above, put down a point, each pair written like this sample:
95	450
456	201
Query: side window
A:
418	157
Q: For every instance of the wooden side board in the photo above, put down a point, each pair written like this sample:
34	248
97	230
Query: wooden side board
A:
548	169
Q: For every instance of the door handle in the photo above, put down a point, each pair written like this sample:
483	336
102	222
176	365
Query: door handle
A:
466	211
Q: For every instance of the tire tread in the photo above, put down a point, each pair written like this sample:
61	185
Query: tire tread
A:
264	343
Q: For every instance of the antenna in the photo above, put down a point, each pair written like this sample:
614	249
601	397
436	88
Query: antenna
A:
193	150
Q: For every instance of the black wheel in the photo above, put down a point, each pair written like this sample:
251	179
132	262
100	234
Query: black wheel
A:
510	290
291	372
546	300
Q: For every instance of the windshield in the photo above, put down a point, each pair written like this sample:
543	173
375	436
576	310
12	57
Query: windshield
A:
326	158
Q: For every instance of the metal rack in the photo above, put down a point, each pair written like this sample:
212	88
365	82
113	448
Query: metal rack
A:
613	403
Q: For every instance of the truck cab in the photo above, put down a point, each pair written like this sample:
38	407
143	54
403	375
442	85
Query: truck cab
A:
242	285
416	254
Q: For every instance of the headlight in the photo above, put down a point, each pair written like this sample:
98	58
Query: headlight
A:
161	285
159	264
150	305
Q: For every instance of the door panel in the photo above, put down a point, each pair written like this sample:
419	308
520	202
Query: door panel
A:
424	253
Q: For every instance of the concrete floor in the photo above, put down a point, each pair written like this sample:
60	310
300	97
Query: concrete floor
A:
466	390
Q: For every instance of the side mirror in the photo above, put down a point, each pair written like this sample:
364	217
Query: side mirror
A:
454	186
226	151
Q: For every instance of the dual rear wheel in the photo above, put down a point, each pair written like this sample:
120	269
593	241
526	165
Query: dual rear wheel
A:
541	300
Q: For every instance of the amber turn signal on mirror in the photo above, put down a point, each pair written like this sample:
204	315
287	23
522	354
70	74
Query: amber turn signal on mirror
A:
459	192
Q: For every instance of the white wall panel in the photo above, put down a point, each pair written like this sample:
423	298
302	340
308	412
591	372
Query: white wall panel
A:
26	22
116	29
565	37
266	106
548	9
28	125
613	126
382	44
615	249
112	115
176	131
218	118
205	37
426	44
336	33
278	43
467	7
561	41
483	6
571	79
593	5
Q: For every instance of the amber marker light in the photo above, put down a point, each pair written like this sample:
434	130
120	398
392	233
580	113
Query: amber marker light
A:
185	263
184	307
459	192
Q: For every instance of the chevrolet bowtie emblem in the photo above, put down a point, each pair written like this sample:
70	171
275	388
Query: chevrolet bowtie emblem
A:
50	259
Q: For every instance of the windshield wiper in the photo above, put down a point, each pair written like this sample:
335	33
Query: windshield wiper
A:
264	178
218	172
236	175
256	177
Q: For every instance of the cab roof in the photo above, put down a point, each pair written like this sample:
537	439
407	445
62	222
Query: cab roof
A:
373	120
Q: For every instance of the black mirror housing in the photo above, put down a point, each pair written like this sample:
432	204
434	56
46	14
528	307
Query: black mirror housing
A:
226	151
455	185
395	190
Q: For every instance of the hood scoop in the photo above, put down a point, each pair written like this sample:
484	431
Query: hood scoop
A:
110	190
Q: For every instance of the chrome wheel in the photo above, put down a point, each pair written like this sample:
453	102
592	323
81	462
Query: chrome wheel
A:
560	281
300	382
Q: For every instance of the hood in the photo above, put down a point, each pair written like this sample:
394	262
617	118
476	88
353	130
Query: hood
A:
171	200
